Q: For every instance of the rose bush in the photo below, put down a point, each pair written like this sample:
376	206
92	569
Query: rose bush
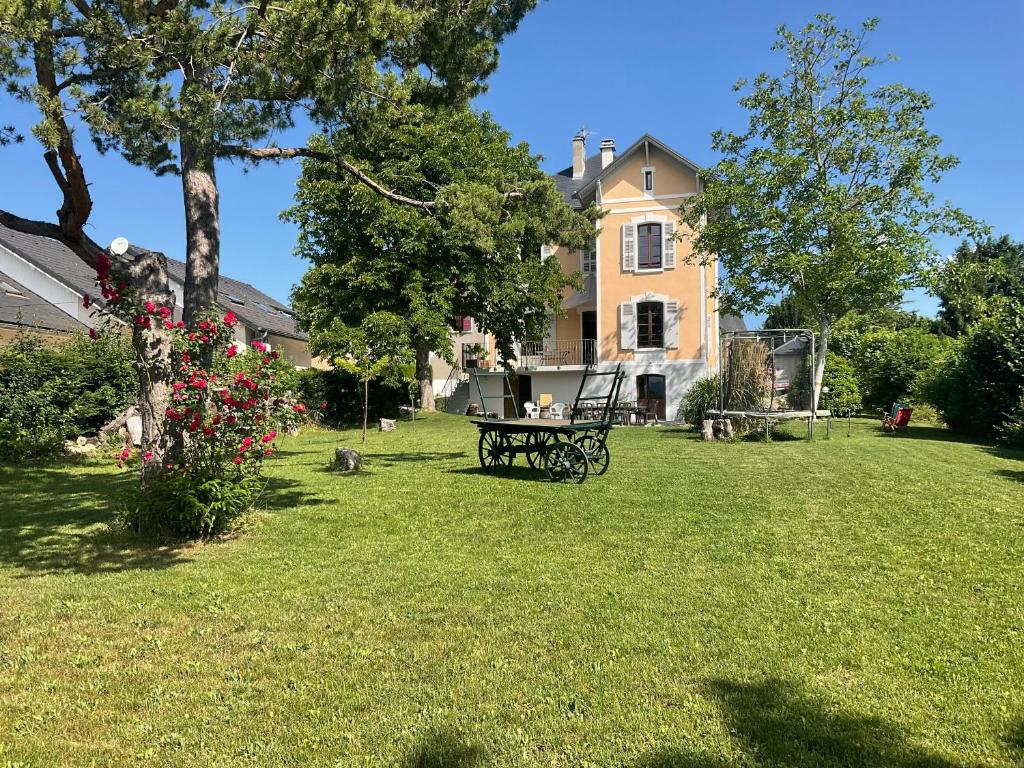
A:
225	412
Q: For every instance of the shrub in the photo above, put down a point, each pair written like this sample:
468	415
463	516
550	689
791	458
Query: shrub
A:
891	363
979	385
843	395
50	391
191	506
701	397
336	396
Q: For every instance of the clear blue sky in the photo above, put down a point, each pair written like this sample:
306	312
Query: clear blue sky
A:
622	69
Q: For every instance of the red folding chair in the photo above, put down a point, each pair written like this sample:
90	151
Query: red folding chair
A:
898	418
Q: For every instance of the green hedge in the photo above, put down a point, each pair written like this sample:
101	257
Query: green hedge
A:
50	391
337	396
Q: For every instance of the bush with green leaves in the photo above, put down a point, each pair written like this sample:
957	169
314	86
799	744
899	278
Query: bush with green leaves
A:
52	391
336	396
978	386
701	397
890	364
840	389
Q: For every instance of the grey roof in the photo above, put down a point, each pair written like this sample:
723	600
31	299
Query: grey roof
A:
575	191
730	323
53	258
20	307
568	186
253	307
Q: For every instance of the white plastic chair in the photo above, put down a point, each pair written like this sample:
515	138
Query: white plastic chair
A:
558	410
532	410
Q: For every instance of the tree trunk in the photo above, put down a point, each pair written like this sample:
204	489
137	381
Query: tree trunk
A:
366	405
424	375
819	360
202	228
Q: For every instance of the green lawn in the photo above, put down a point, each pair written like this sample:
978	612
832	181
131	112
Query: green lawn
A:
857	601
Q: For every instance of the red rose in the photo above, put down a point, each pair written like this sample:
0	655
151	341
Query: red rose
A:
238	460
268	452
86	301
268	437
150	307
208	431
147	456
93	334
232	350
232	419
230	320
299	408
180	324
259	346
165	312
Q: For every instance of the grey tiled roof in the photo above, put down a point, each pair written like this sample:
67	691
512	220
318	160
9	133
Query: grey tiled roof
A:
53	258
568	186
253	307
20	307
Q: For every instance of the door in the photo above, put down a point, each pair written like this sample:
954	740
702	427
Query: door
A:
650	393
524	392
588	328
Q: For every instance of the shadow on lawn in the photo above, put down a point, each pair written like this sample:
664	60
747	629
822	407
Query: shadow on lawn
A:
62	524
444	749
775	725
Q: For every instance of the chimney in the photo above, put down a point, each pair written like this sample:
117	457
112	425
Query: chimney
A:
607	152
579	155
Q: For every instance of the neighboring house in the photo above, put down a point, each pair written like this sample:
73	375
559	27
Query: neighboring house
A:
49	282
643	303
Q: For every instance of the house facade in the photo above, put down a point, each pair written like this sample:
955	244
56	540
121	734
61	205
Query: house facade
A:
43	283
643	304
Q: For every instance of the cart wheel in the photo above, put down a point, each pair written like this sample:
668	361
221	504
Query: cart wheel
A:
493	451
566	463
536	444
597	453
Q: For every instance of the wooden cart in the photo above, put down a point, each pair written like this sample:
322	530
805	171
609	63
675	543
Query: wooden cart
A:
567	450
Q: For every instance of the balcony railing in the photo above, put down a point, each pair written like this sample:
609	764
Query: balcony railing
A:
537	354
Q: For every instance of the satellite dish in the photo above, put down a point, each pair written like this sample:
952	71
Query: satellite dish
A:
119	247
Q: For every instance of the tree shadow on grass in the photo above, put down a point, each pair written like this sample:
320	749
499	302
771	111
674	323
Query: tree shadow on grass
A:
1015	739
524	473
444	749
281	494
775	725
59	520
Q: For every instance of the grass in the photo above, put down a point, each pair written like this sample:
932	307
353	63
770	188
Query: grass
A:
857	601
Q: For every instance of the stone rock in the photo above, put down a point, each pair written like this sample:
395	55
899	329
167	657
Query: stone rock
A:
134	424
347	460
387	425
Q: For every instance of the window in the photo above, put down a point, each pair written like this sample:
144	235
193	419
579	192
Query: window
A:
649	246
463	324
648	180
588	260
650	325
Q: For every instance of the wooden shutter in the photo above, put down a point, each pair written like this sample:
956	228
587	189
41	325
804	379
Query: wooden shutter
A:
671	321
668	251
627	325
545	252
629	247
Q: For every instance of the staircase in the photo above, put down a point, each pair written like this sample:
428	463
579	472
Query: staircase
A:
458	400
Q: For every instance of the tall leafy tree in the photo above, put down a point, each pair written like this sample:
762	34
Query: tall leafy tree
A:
475	250
976	279
178	85
825	196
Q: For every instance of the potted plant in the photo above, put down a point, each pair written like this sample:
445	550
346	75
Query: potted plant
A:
475	355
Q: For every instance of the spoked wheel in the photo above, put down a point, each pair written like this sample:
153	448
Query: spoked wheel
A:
597	453
494	452
566	463
536	445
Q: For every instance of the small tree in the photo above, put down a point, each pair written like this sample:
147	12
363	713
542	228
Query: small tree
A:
376	349
824	196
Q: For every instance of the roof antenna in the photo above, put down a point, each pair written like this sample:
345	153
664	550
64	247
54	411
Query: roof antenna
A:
583	133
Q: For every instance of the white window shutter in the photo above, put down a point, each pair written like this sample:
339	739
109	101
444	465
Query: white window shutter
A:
627	325
672	324
629	247
669	247
545	252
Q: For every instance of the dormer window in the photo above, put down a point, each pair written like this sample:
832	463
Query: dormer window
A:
648	182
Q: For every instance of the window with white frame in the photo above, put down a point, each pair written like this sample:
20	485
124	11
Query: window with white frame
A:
648	180
648	246
588	259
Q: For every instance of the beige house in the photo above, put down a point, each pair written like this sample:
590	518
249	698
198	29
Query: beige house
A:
643	304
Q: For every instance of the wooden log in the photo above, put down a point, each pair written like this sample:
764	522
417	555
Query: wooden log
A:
708	429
